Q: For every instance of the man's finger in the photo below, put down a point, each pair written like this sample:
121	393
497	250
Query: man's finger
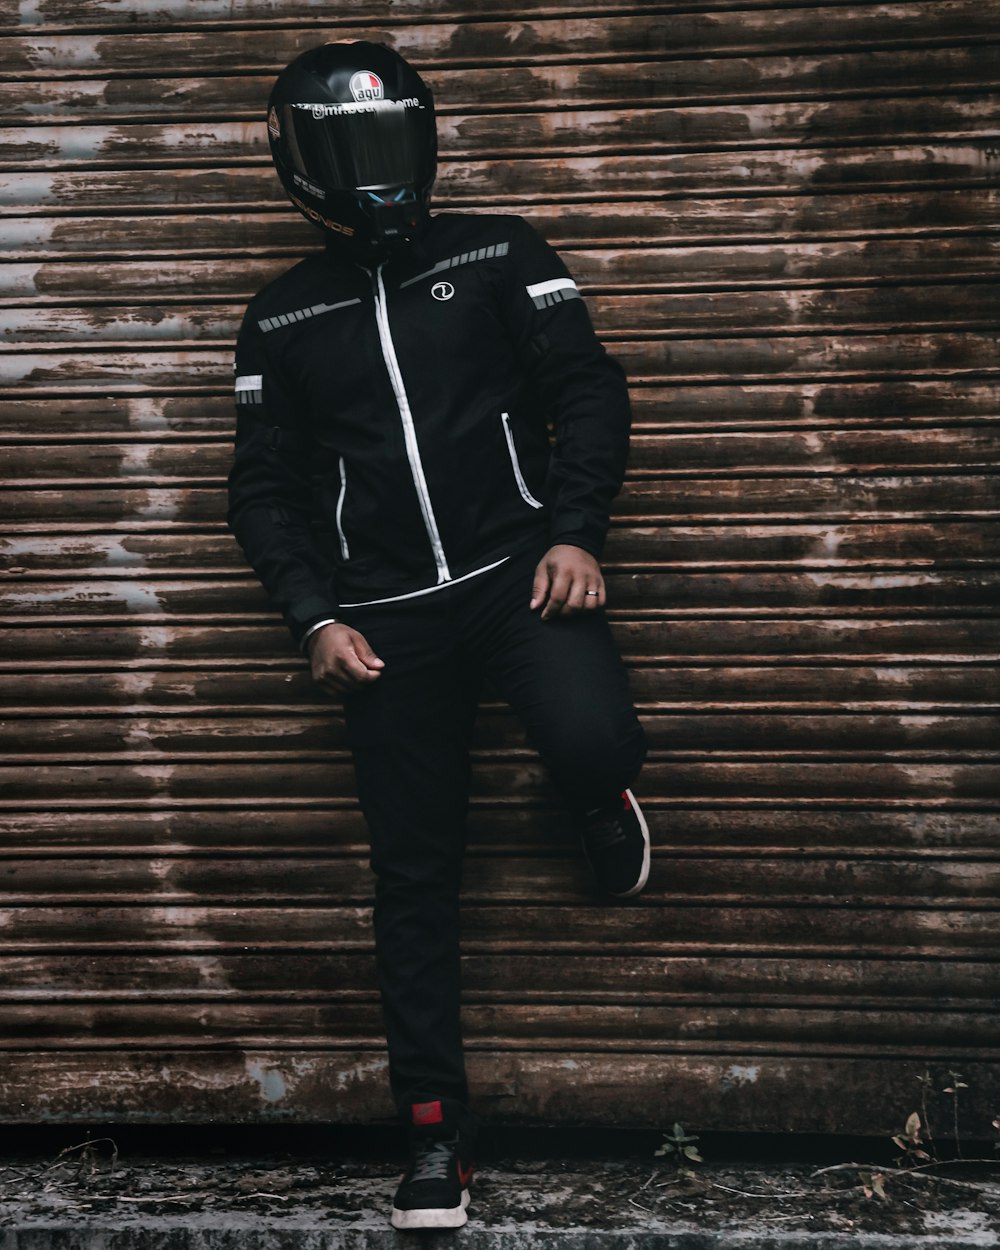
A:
353	670
575	599
365	654
595	596
540	586
557	595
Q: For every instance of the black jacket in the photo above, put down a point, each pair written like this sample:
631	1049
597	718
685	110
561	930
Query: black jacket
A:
393	425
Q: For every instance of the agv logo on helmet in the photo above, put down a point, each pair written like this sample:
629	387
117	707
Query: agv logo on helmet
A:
366	86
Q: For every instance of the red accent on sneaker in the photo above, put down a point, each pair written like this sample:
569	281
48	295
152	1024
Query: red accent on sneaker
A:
465	1175
427	1113
626	801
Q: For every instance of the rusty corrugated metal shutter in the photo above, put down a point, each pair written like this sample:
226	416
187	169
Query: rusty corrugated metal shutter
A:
784	220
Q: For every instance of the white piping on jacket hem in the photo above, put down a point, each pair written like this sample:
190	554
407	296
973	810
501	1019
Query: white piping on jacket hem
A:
429	590
409	431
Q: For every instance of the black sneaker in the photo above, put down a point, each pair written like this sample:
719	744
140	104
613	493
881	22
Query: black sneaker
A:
616	842
434	1190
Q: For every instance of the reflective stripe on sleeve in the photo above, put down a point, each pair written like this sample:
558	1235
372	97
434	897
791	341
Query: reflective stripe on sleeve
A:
250	388
553	292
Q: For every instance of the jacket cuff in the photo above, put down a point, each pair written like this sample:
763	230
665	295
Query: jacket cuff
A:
330	620
589	539
306	613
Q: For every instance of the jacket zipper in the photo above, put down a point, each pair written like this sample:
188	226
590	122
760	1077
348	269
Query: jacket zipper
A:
409	432
522	485
344	550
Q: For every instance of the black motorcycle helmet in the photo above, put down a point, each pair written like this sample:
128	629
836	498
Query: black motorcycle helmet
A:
354	140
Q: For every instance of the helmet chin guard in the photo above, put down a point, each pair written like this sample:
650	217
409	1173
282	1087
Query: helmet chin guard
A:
396	213
354	142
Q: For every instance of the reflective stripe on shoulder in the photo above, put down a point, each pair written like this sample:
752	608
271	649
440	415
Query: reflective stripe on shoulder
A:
302	314
479	253
553	292
250	388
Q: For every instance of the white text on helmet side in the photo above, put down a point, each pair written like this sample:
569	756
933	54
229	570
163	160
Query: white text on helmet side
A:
338	110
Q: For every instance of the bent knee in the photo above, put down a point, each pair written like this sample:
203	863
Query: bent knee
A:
601	755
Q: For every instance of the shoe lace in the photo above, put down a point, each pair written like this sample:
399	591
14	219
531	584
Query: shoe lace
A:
601	835
431	1160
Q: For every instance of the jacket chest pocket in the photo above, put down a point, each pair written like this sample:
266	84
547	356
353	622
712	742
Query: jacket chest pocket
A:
522	485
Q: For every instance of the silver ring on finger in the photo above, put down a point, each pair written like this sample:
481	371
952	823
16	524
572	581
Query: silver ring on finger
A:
595	593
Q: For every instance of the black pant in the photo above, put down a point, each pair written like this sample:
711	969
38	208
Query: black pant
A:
409	733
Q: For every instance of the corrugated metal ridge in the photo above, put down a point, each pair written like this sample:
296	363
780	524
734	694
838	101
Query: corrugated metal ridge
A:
779	172
661	131
795	212
193	17
615	35
728	662
261	616
203	14
595	106
755	78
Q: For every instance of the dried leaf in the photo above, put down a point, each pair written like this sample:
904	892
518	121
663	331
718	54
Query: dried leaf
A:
912	1127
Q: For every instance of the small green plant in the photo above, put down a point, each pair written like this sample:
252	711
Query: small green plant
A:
873	1185
956	1084
926	1086
911	1142
681	1145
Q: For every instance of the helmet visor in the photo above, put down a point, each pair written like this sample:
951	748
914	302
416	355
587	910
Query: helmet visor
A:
346	146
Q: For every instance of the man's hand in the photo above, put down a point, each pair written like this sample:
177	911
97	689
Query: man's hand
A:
567	580
341	659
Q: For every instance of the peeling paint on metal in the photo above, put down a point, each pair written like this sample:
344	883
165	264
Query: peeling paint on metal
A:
360	1073
270	1081
741	1074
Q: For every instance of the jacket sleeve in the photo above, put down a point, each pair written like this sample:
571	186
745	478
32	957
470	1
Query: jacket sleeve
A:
581	389
270	489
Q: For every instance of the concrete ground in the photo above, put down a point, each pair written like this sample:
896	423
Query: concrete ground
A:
72	1198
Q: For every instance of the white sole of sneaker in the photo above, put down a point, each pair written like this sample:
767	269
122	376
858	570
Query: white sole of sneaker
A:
431	1217
644	873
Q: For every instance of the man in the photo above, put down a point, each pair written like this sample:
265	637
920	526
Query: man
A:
397	491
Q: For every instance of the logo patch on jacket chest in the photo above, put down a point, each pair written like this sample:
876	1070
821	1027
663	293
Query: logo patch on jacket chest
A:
442	290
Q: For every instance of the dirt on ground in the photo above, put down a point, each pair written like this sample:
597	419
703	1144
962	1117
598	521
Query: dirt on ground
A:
90	1178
